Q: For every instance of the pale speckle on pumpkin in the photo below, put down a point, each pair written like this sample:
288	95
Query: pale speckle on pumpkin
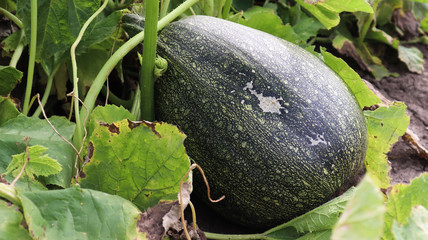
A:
267	104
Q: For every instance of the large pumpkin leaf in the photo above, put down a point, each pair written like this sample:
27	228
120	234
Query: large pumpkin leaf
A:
402	199
364	214
142	162
107	114
39	132
10	222
76	213
385	125
59	23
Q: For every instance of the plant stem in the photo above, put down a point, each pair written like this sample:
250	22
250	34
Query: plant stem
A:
18	50
32	57
9	193
164	9
122	51
47	90
116	100
148	65
77	138
226	9
234	236
12	17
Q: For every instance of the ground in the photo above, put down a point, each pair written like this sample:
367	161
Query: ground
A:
413	90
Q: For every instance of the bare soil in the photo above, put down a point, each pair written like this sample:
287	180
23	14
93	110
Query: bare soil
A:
412	89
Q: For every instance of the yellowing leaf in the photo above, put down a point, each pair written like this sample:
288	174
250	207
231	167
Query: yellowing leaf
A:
416	227
402	199
385	125
140	161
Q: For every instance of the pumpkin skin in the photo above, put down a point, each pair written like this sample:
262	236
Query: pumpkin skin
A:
275	129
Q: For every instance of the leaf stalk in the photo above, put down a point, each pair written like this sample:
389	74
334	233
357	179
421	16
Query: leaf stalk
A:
32	57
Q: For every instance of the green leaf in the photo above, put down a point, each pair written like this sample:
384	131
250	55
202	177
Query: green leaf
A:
419	10
424	23
38	164
99	30
383	37
385	9
12	133
107	114
315	224
363	218
307	27
327	12
263	19
10	43
88	66
58	23
402	199
242	4
346	45
9	5
416	227
9	77
364	95
412	57
385	125
11	219
140	161
8	109
76	213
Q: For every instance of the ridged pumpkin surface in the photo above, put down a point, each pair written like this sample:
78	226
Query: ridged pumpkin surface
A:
274	128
